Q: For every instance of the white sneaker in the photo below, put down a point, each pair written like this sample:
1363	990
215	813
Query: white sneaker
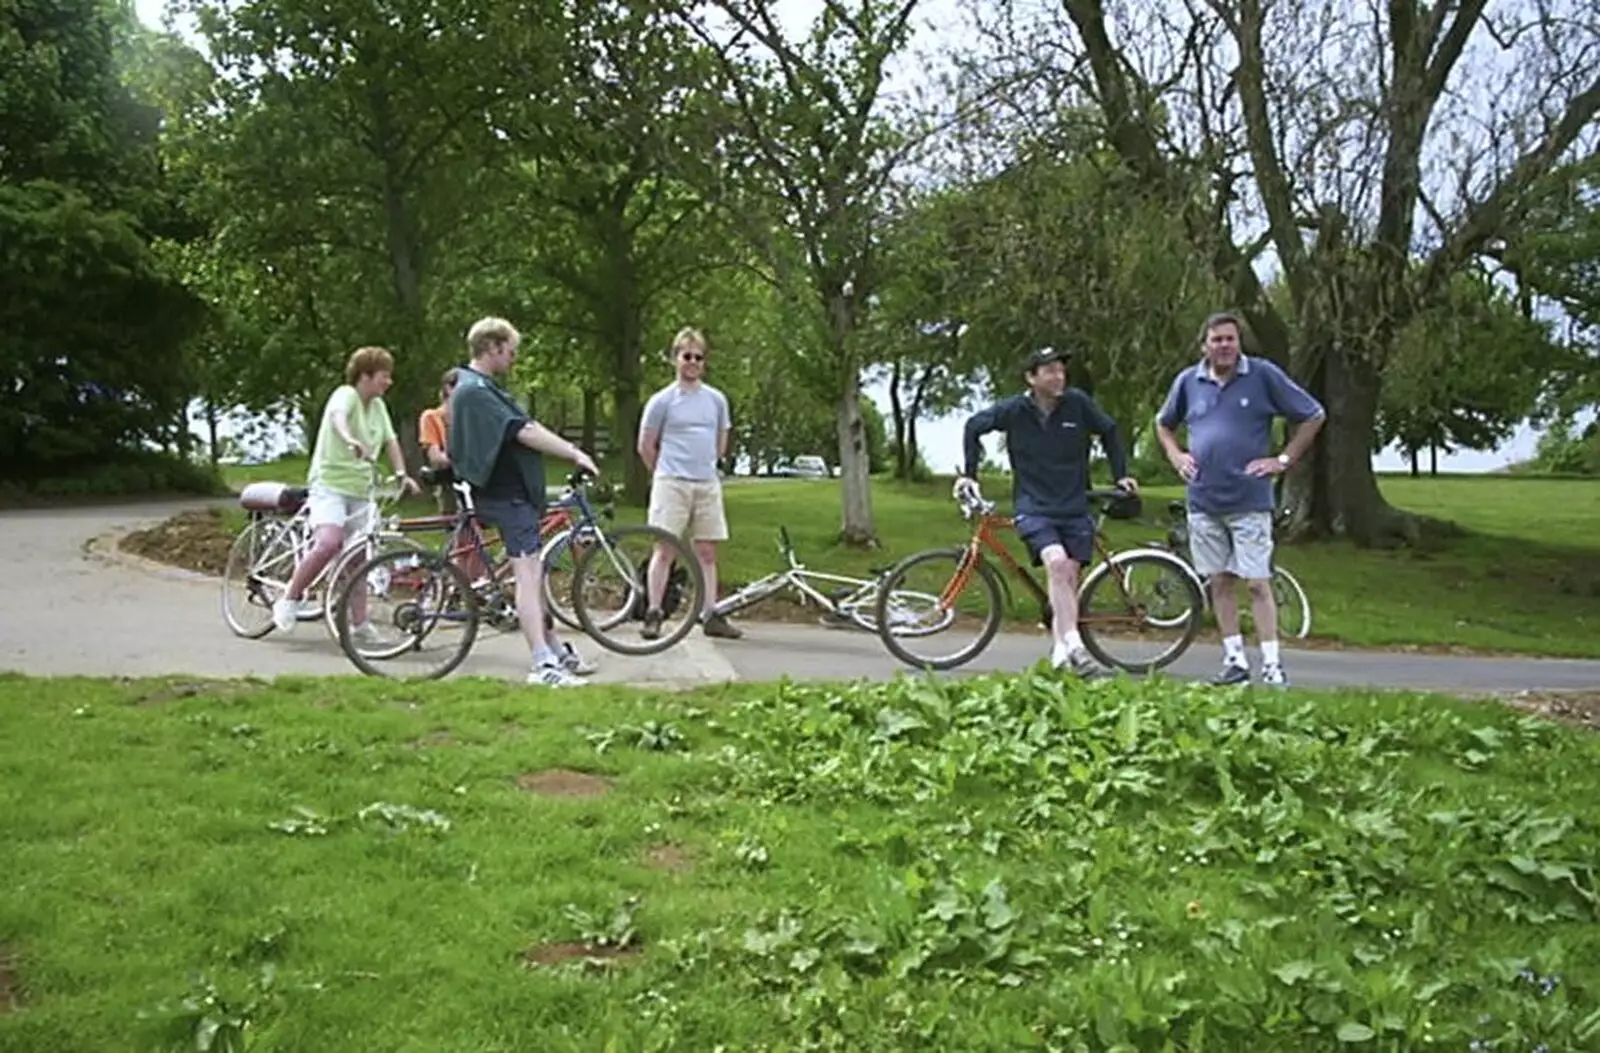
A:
549	674
1274	676
574	663
1058	655
285	613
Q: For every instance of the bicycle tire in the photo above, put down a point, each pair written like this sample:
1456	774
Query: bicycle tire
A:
1102	573
1292	584
982	571
566	613
237	571
685	563
454	582
365	551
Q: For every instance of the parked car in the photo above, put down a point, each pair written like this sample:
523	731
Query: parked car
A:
810	467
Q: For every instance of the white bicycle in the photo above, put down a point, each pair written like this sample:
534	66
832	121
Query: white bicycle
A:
277	537
848	601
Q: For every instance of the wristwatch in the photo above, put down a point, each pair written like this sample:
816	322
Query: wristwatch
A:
1283	459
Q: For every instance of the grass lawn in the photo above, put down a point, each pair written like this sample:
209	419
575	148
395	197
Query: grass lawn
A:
1525	580
1014	863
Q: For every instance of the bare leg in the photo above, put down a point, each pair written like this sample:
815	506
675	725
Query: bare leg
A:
528	574
1062	572
656	576
706	553
325	545
1265	608
1225	603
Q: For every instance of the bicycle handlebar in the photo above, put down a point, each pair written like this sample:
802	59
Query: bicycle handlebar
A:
973	503
785	546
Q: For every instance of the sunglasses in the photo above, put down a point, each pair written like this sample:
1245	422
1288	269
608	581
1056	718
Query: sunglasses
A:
693	358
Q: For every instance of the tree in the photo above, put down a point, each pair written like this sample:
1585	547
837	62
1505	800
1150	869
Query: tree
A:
809	118
1465	372
1314	120
91	322
606	167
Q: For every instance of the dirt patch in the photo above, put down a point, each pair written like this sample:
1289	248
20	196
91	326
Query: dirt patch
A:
671	858
196	540
1577	708
573	950
560	782
10	986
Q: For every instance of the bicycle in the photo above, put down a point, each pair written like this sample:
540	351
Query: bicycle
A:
1287	591
427	590
277	536
557	542
851	601
1176	600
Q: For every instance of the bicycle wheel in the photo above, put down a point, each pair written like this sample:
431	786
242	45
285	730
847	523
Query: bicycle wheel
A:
420	612
1145	600
610	589
340	573
259	563
1294	607
910	613
968	597
561	575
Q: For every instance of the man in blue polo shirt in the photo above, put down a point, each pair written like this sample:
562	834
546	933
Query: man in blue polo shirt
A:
1228	402
1047	433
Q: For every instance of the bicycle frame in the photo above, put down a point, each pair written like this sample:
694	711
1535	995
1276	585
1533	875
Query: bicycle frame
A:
795	576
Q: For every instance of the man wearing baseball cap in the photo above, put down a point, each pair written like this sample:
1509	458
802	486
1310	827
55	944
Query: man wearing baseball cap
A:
1047	430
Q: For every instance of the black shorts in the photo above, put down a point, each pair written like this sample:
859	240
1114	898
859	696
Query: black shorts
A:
1074	533
517	520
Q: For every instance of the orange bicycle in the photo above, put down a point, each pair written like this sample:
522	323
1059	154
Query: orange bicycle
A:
1128	598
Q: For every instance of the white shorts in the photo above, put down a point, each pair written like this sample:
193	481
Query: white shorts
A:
1239	544
690	508
329	508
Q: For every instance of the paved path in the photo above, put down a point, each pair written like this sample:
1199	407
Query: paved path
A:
74	605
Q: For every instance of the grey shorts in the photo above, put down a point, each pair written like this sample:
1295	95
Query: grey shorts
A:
1239	544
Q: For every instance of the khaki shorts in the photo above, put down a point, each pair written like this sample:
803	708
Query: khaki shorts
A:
1239	544
690	508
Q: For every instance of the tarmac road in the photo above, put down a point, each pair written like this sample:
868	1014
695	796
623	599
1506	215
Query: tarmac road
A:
74	604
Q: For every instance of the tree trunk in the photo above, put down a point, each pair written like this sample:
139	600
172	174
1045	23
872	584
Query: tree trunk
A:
902	462
1433	459
854	476
591	420
213	427
1335	492
1415	468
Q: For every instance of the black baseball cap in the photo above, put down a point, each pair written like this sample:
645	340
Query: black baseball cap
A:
1044	356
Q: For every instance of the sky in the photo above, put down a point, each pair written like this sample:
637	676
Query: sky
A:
940	439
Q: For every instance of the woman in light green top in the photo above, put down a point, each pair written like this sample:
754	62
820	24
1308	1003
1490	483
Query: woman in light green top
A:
355	423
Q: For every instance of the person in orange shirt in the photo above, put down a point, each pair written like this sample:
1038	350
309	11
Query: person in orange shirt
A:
433	433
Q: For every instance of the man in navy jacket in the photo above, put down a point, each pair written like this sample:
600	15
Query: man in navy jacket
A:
1048	431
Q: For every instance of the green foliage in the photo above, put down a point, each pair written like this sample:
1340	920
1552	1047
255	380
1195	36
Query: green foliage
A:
90	320
131	473
1466	371
1566	449
972	863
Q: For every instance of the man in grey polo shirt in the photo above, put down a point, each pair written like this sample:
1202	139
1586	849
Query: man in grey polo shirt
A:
682	436
1228	402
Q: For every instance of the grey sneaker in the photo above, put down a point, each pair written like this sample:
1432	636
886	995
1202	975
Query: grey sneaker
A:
718	626
1232	673
1274	676
651	629
1078	660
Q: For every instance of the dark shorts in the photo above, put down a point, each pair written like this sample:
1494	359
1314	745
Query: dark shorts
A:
1073	533
517	520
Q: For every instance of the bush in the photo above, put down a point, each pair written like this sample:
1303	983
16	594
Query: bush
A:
129	475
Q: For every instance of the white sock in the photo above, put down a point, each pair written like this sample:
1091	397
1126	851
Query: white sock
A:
1073	640
1233	649
1269	652
545	656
